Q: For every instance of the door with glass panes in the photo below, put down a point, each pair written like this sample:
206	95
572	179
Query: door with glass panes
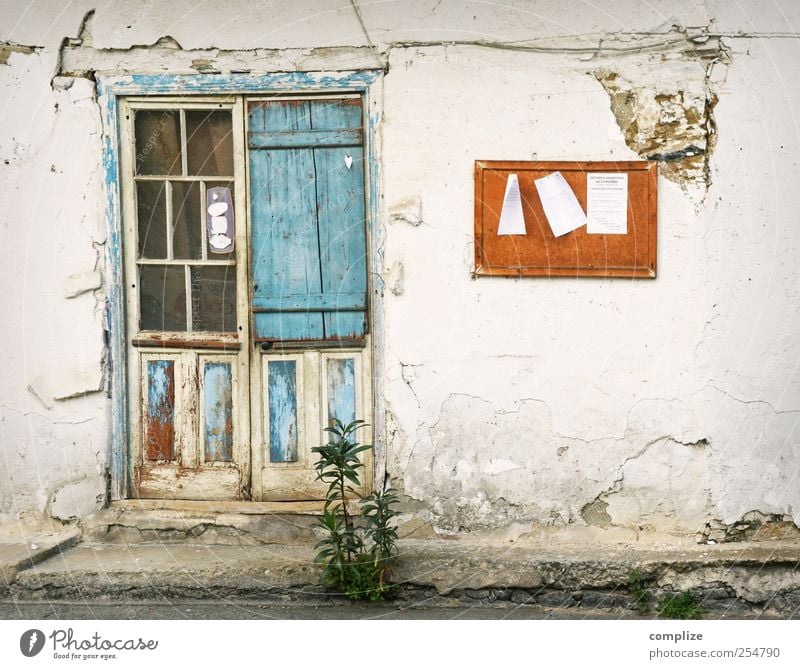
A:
245	242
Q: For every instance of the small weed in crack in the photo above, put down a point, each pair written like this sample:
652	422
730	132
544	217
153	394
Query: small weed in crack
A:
677	606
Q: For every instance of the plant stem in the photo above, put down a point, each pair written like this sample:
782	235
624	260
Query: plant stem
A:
347	522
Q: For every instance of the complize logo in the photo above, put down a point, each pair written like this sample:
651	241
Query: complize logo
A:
31	642
66	645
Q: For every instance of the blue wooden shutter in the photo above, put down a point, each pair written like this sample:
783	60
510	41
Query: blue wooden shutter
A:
308	219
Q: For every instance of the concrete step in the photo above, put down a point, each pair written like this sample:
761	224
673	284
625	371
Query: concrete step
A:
21	547
222	524
198	526
733	580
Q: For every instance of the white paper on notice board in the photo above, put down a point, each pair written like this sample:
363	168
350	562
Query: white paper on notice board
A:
607	203
512	222
561	207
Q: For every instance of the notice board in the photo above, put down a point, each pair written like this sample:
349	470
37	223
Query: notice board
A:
538	251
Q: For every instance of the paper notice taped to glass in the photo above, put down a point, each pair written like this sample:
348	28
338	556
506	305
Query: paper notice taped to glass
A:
561	207
512	222
607	203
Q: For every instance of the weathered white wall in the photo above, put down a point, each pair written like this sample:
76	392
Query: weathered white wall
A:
660	404
53	411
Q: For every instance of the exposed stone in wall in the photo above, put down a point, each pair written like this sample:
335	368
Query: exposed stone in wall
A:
669	127
752	526
596	513
670	120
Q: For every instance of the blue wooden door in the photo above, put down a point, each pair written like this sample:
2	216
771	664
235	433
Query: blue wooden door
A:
309	283
307	211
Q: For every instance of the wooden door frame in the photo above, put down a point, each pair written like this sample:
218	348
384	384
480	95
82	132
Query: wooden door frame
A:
110	90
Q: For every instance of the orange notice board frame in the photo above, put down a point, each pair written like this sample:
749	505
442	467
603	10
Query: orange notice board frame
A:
576	254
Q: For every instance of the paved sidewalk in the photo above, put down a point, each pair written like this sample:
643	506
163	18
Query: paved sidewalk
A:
733	580
21	549
248	609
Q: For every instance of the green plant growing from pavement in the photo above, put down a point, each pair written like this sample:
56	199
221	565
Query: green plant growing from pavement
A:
681	606
355	560
642	596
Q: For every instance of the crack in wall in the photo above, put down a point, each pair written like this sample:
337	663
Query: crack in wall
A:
676	128
51	421
79	58
60	488
408	379
7	48
84	35
589	44
595	512
758	401
700	443
461	489
360	19
679	501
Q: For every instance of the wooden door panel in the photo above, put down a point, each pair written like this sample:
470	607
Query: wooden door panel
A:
285	245
162	482
191	446
342	236
309	276
217	427
308	220
303	393
284	402
290	419
159	410
340	389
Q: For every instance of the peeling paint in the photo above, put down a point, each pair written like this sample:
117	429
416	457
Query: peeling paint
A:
7	49
78	499
665	484
82	282
408	210
204	65
395	277
675	127
85	61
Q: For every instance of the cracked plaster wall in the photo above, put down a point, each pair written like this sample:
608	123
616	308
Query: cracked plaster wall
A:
659	405
53	411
